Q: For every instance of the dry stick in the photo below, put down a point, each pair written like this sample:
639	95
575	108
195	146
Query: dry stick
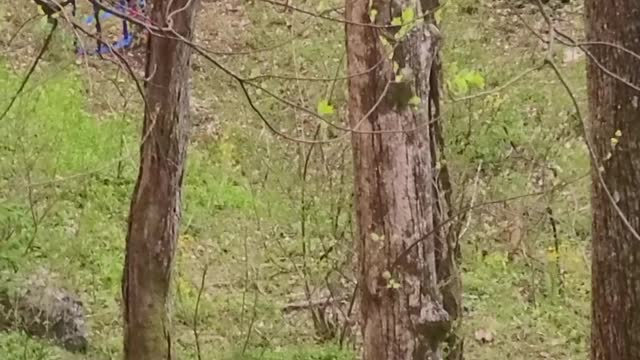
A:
195	312
556	244
352	304
245	288
255	300
339	202
36	220
296	269
32	69
305	304
338	208
550	29
309	152
303	209
474	193
251	324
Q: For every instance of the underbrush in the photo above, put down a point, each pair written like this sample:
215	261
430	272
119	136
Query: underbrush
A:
266	217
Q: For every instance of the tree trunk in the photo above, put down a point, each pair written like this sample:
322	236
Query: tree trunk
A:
155	207
615	115
409	289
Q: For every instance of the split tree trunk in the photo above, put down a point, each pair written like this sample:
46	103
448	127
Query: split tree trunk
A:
155	207
615	109
409	289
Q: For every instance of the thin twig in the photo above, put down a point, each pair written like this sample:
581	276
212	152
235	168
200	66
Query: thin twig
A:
500	88
31	70
466	209
195	312
472	201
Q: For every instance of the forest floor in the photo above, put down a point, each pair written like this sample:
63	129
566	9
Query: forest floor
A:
270	218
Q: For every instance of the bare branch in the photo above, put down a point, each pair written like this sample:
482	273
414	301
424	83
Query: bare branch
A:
31	70
195	311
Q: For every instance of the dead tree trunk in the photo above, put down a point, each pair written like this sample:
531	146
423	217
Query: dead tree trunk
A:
615	138
155	207
409	288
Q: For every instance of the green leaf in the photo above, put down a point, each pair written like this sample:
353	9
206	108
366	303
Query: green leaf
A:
475	79
614	142
324	108
372	15
408	15
466	80
393	284
460	84
415	100
396	21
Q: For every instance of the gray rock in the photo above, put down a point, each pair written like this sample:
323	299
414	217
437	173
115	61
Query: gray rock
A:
44	310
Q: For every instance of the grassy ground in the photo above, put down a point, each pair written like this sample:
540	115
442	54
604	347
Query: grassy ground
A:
264	226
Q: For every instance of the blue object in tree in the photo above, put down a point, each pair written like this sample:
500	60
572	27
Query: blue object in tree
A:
121	7
125	41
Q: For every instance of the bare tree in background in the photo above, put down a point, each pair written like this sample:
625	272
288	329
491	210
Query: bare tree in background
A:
155	207
615	138
409	288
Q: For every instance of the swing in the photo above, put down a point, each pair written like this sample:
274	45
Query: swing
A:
131	8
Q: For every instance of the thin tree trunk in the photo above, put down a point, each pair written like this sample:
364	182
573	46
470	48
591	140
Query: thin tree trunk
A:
155	207
447	247
405	254
615	114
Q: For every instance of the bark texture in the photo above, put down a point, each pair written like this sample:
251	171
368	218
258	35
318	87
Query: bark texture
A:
156	203
409	289
614	107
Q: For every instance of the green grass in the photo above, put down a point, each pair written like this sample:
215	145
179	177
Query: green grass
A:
294	352
242	209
